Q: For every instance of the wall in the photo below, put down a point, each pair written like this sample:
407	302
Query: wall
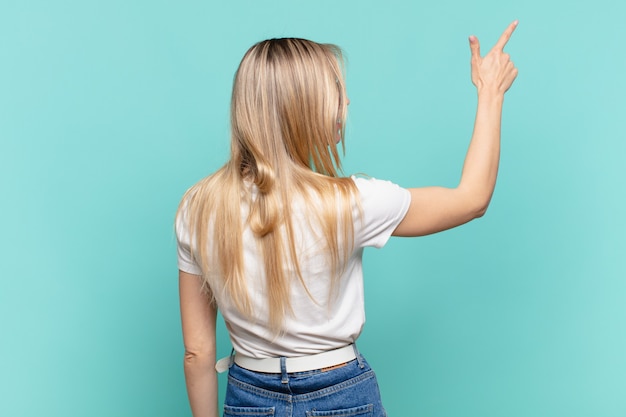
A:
109	110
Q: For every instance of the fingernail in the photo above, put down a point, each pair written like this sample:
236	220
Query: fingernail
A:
472	38
515	22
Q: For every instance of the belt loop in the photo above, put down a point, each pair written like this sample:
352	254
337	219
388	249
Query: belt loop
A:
358	356
283	370
232	358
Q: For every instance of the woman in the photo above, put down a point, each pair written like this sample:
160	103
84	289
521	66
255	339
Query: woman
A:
274	238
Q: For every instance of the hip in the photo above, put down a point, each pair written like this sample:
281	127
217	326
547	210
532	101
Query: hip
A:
348	389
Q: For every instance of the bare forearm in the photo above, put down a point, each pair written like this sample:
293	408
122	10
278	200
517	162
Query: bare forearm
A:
198	314
481	163
434	209
492	75
201	380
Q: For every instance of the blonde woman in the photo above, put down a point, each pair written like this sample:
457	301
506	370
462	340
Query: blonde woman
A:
274	238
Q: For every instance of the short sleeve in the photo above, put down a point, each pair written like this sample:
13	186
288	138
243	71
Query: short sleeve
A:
186	261
383	206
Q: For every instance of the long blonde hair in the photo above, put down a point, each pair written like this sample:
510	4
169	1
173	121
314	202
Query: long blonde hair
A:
288	115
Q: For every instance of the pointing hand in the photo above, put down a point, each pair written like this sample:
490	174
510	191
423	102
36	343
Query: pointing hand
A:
495	71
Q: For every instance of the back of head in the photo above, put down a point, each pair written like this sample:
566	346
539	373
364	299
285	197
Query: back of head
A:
288	107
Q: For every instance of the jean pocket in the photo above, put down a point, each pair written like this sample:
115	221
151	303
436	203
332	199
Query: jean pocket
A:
248	411
361	411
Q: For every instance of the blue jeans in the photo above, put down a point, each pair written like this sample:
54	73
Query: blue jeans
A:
347	391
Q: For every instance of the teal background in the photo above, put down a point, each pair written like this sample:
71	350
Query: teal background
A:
109	110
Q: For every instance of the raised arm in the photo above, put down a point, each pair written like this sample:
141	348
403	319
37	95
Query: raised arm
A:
434	209
198	315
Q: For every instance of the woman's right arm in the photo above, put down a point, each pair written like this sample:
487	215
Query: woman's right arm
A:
434	209
198	315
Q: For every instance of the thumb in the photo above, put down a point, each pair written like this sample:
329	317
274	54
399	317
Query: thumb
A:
474	47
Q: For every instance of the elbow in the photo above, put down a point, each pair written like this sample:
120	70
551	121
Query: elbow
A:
480	206
481	211
476	200
199	358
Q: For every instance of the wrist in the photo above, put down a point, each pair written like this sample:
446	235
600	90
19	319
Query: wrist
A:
491	95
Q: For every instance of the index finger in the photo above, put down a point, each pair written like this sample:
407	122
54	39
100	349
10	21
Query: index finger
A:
506	35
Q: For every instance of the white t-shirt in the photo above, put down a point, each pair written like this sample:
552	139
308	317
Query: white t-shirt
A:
322	323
